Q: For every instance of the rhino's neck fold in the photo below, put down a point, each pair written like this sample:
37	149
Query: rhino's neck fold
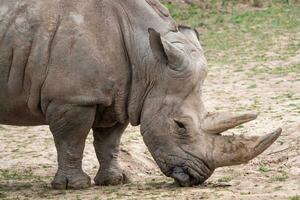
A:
135	18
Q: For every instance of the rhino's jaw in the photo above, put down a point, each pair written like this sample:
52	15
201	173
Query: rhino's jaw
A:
184	167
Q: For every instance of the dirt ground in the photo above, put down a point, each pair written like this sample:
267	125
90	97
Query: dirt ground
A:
28	156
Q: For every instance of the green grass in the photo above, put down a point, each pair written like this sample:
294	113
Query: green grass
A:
225	179
6	174
297	197
2	195
280	70
280	177
234	36
2	129
264	169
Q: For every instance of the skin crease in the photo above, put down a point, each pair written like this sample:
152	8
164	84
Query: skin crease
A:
102	64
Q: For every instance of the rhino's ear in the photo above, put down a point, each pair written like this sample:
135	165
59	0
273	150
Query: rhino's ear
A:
157	46
189	32
165	51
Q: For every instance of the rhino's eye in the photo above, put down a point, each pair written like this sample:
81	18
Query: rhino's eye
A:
180	127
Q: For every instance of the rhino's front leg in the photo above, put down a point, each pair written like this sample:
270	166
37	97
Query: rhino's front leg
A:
106	143
70	126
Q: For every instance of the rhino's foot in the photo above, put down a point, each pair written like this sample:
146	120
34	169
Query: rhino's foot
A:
115	176
75	180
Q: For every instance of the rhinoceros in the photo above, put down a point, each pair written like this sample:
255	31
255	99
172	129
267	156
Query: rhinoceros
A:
102	64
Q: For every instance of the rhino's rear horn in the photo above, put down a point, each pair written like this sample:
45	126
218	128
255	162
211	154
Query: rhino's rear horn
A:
233	150
216	123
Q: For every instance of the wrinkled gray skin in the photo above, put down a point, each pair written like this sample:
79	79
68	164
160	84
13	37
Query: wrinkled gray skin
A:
101	64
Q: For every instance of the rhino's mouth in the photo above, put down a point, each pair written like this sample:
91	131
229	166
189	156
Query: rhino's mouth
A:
190	172
185	176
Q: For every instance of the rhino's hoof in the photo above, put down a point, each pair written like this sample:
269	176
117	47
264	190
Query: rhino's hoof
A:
111	177
76	181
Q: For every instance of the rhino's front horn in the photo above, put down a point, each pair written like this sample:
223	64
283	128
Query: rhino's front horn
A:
216	123
234	150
